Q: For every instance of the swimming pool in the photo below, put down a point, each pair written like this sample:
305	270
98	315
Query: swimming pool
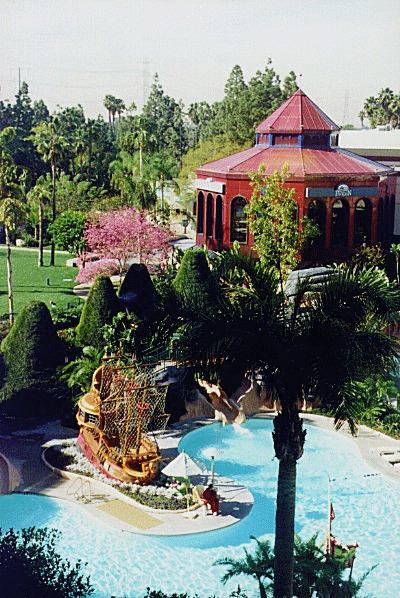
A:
122	564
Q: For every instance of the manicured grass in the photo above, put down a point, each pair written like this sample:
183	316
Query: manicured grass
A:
30	281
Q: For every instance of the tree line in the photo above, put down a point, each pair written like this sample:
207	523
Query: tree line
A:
382	109
65	160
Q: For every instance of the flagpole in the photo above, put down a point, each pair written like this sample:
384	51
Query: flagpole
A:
186	484
328	540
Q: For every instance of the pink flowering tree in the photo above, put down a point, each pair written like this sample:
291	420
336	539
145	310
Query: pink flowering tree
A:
118	236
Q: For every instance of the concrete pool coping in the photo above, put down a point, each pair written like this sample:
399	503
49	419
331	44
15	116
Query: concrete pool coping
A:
35	477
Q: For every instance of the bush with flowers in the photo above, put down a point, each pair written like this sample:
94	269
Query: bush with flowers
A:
157	496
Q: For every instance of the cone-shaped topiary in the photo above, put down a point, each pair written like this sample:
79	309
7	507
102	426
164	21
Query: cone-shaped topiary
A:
194	282
100	308
138	294
32	351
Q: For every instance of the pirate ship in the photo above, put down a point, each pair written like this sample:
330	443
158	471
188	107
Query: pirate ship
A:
115	419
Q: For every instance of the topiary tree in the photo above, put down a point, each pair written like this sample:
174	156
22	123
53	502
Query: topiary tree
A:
138	294
194	282
100	308
32	351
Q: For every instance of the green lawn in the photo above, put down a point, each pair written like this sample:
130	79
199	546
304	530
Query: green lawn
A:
31	282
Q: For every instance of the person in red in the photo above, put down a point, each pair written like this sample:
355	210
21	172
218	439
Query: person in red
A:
210	497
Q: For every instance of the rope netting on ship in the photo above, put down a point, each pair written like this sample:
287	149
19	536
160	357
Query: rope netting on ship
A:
130	404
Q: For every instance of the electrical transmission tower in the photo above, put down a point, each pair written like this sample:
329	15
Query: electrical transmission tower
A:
145	80
346	113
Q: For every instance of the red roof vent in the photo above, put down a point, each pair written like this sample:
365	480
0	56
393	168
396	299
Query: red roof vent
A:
297	115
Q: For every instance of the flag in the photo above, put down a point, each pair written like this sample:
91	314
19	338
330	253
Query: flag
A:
332	513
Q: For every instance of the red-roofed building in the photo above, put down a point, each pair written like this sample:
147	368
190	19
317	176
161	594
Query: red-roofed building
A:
349	197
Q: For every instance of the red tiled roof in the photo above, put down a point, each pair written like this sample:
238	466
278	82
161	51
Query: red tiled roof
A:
296	115
302	162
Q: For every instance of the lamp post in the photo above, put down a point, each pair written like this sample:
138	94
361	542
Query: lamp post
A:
185	223
211	453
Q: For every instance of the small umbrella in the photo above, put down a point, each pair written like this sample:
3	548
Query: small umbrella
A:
182	467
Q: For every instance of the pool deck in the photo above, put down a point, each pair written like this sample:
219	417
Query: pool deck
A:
21	454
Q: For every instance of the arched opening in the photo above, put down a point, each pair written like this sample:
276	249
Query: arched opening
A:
218	218
238	220
209	216
200	213
340	223
381	219
317	214
362	222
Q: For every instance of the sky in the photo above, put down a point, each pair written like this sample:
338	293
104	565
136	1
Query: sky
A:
77	51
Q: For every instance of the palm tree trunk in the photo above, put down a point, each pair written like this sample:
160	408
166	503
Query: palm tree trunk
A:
53	215
9	278
284	529
40	249
289	439
263	593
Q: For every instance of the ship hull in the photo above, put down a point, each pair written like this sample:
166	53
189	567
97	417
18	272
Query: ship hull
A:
140	470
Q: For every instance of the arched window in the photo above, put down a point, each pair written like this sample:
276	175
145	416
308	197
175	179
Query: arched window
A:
362	222
238	220
218	218
340	223
381	219
200	213
317	214
209	215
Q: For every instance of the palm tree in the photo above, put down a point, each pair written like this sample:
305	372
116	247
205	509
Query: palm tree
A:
361	115
326	338
314	573
260	565
163	169
109	104
51	146
39	196
394	108
133	181
119	107
11	215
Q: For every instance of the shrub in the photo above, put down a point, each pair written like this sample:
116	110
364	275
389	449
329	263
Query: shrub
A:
29	240
100	308
391	424
68	231
30	566
368	256
32	351
194	281
91	269
77	374
66	317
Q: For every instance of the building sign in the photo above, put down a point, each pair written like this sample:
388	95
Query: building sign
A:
209	185
342	191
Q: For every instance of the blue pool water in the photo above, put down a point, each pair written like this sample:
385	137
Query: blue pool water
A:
367	510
